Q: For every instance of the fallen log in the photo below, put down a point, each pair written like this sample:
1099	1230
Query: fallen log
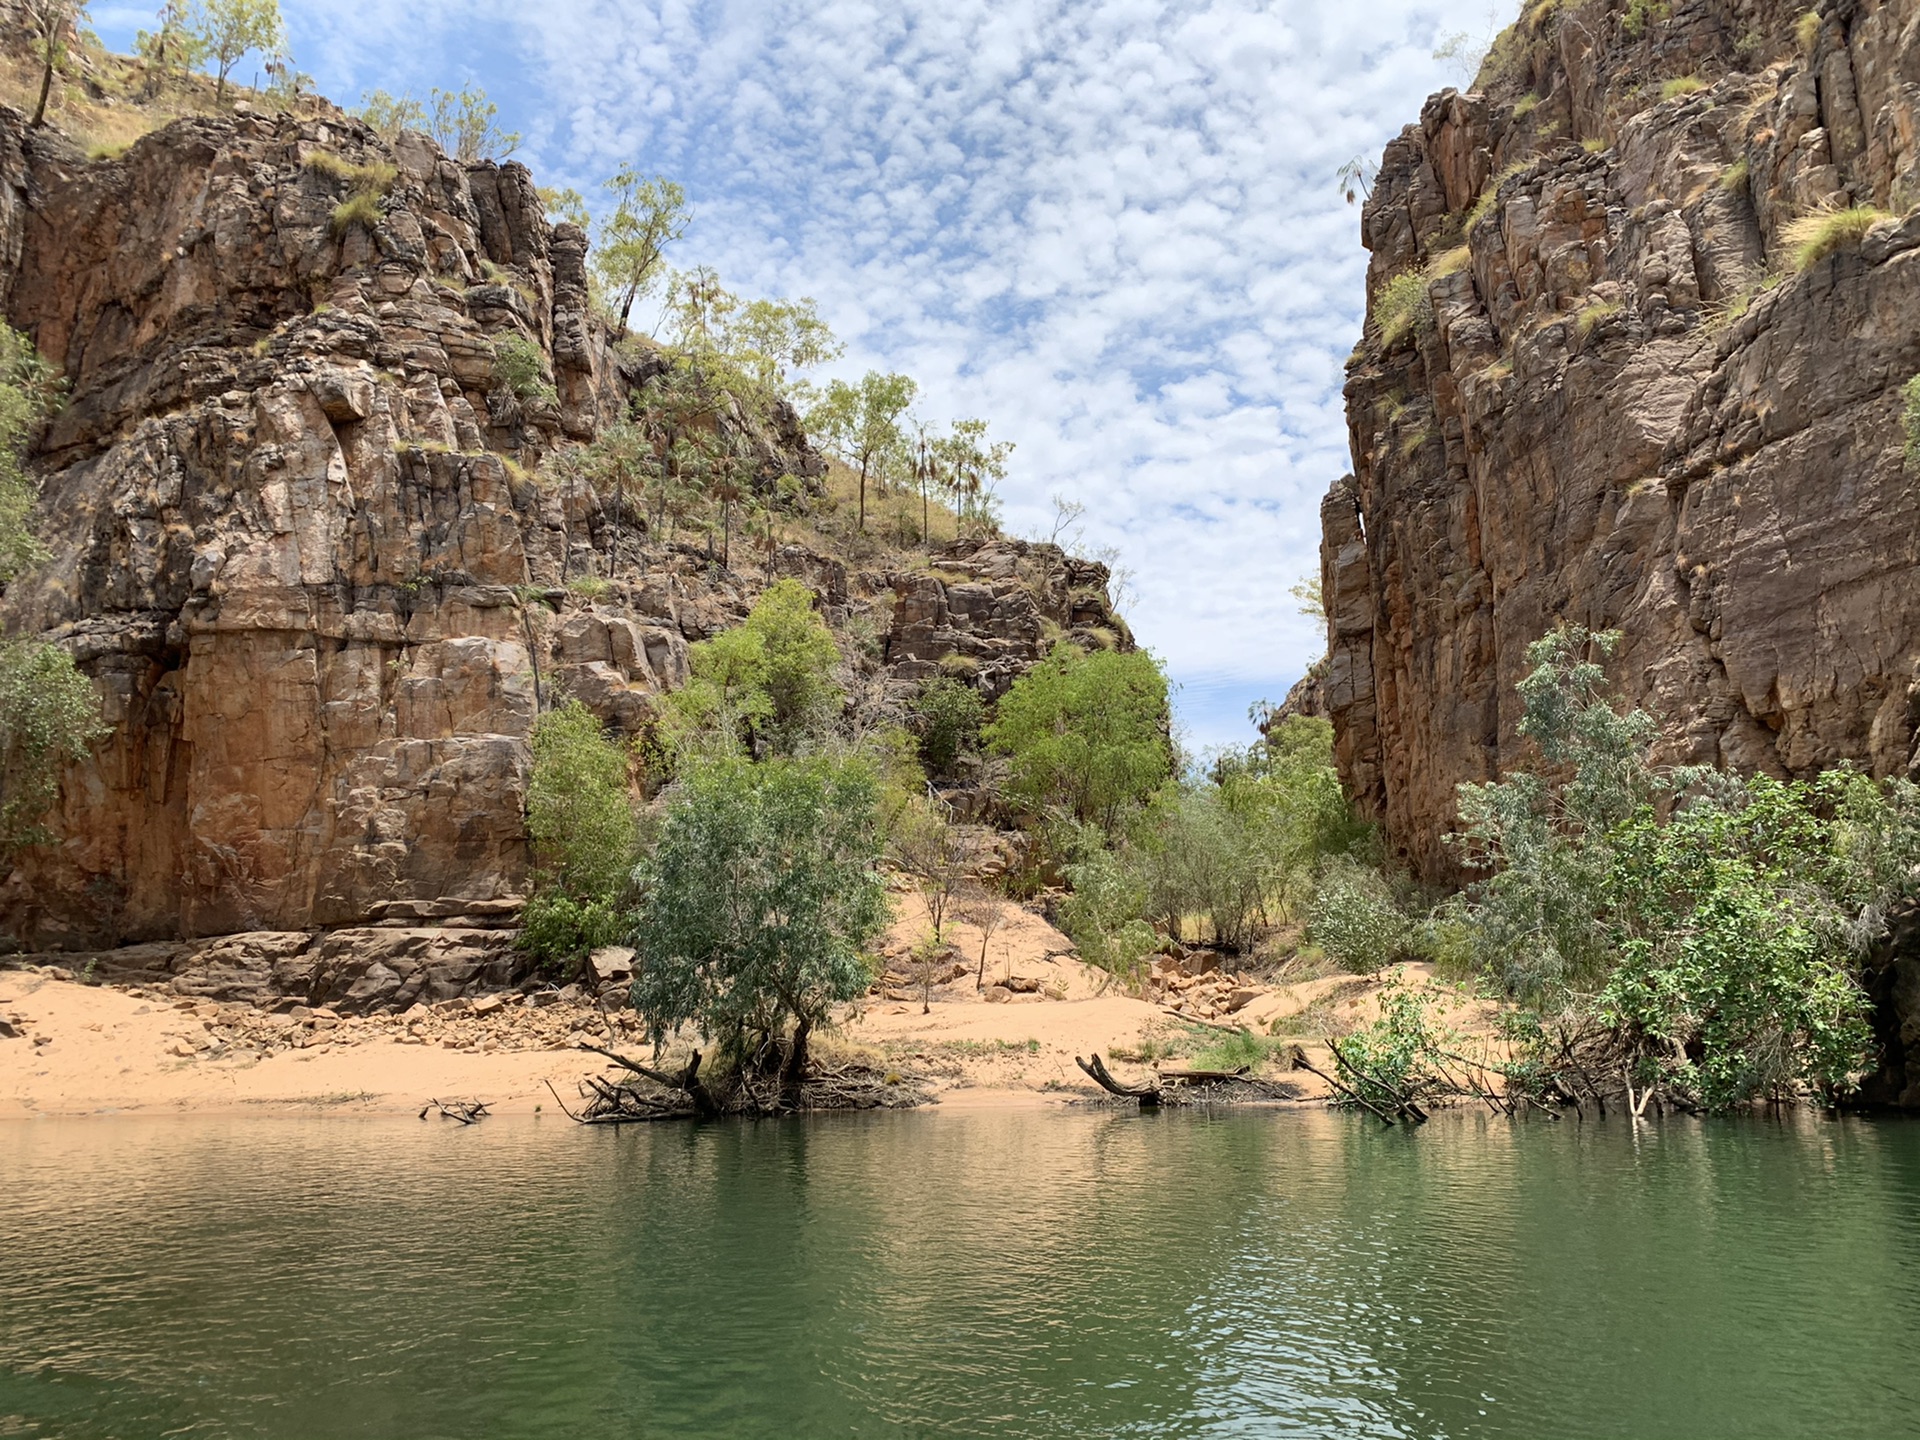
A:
1096	1070
687	1081
1202	1077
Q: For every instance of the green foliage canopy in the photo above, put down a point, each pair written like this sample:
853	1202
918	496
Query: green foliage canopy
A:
769	679
226	30
761	900
1086	734
49	714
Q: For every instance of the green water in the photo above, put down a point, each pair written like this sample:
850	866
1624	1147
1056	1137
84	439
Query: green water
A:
1007	1274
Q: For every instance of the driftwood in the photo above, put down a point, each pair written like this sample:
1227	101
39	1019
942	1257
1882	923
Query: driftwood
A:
1096	1070
751	1090
1202	1077
466	1112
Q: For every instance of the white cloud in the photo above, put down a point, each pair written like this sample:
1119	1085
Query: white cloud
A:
1111	227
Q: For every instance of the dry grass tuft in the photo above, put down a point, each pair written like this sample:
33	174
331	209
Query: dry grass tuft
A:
1814	237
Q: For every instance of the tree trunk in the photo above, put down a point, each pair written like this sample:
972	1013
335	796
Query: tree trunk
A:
613	552
796	1068
220	86
46	89
863	494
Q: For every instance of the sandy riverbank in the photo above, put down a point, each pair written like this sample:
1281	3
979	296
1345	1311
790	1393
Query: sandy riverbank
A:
80	1049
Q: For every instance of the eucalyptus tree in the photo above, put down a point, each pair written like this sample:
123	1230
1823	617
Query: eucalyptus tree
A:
229	29
760	903
464	122
50	25
863	422
649	213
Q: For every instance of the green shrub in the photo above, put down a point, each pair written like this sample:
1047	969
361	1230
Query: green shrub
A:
589	587
520	367
769	680
759	904
1682	85
1085	734
1102	915
1402	308
1355	919
580	821
1641	13
1710	923
1733	179
1814	237
947	716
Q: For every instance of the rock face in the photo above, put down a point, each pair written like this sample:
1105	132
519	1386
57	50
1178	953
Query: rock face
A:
299	546
1615	399
287	520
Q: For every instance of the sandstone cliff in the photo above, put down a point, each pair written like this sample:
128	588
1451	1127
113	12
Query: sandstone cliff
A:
302	546
1610	397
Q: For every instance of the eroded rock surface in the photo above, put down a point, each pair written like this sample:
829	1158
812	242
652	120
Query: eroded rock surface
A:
1620	404
300	546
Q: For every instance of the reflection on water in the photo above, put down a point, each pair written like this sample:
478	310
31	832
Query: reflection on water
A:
1014	1274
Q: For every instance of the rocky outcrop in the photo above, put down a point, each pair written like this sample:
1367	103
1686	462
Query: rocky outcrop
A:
305	545
1596	387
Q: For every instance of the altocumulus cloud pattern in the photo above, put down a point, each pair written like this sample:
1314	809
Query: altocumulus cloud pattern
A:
1111	228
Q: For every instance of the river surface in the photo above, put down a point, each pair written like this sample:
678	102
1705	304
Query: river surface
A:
1005	1273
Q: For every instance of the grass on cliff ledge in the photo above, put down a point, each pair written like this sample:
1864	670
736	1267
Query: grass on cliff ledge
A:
103	106
1816	236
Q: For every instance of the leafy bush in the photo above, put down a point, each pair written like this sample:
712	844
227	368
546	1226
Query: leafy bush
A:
1712	923
1395	1055
581	822
1102	914
1086	734
520	368
1198	855
49	716
947	715
759	903
1641	13
1814	237
49	713
1355	919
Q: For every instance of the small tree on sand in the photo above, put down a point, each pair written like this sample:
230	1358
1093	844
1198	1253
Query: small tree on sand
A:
760	902
983	907
928	848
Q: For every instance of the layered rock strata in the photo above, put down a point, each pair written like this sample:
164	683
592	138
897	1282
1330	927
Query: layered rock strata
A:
304	545
1597	387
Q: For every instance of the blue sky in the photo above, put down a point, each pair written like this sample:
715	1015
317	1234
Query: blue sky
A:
1109	227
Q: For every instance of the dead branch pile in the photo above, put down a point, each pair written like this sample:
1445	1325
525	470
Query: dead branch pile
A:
1187	1086
466	1112
646	1093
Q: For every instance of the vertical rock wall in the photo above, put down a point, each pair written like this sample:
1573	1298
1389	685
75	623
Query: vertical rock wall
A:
1618	403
